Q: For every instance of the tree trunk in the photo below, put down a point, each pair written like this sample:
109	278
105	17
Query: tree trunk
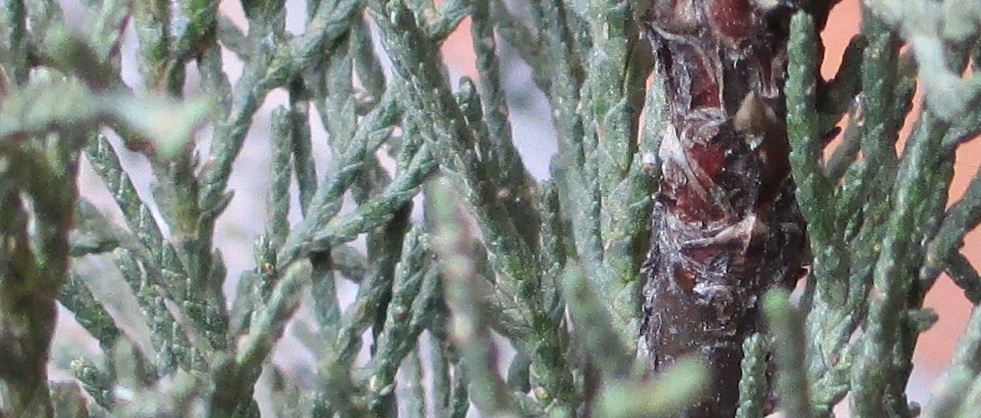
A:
726	225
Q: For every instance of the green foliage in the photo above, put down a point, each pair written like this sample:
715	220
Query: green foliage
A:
497	262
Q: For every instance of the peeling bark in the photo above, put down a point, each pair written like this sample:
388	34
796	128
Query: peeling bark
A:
726	225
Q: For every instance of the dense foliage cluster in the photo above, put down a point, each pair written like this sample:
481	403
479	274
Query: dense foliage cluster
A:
504	294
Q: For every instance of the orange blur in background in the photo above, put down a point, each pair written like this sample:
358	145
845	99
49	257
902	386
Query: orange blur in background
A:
937	344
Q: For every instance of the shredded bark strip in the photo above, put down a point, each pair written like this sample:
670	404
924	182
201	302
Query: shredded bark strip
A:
726	225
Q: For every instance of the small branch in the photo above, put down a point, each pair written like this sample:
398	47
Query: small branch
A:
965	276
788	335
964	366
471	331
89	312
754	385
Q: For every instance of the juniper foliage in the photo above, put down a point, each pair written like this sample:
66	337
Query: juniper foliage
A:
507	295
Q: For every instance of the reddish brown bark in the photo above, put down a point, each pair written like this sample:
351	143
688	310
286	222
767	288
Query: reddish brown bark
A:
726	225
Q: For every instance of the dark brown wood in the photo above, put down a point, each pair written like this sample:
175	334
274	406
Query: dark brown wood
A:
726	225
